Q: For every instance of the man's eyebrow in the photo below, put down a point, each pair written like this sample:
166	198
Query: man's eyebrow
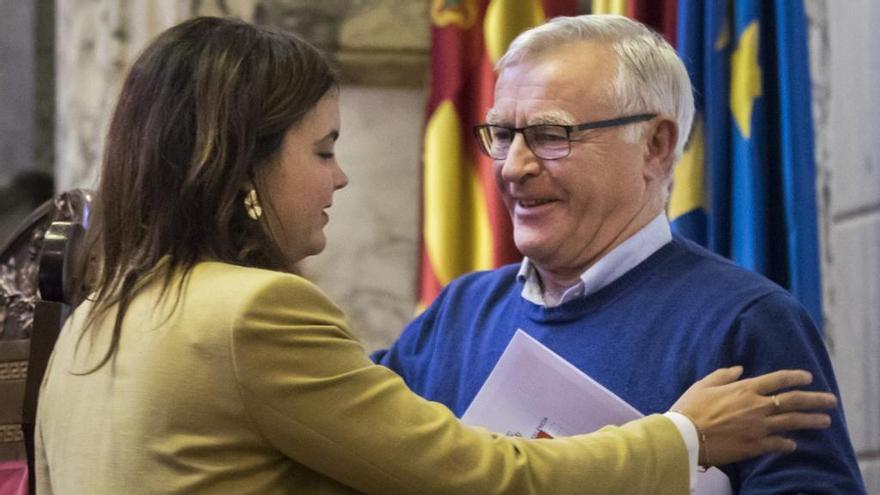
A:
493	116
557	117
553	117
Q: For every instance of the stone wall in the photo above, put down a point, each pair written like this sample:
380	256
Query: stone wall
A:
97	41
370	262
846	110
17	75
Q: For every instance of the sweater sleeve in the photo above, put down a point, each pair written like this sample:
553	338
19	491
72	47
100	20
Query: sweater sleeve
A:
776	333
310	389
409	355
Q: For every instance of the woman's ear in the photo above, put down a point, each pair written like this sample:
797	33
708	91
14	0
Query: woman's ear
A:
660	148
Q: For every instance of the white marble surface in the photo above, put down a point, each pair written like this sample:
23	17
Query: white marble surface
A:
370	262
853	119
96	42
846	109
871	472
16	88
854	337
367	28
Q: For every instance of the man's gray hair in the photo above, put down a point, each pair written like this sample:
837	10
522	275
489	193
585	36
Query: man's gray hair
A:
650	75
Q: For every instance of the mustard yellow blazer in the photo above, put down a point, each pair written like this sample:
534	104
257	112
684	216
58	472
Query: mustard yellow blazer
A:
251	383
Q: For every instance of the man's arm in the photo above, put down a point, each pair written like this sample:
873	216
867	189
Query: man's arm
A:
776	333
408	356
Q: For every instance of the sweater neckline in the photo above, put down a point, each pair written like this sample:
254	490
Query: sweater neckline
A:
578	307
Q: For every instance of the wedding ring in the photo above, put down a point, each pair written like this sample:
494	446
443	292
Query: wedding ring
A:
776	406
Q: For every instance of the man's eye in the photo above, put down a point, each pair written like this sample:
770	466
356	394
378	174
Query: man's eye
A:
501	134
326	155
548	137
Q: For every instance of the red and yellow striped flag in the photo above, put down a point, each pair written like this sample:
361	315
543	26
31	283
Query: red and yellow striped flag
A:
661	15
464	224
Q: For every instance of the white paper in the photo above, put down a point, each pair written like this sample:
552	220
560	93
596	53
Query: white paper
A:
533	392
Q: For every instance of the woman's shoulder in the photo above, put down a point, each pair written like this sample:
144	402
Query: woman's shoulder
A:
238	279
236	285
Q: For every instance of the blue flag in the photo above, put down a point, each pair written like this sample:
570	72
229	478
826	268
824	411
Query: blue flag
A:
745	187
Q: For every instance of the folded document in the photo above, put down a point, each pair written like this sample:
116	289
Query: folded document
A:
533	392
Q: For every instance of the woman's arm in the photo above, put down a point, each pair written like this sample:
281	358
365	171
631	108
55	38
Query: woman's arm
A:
312	391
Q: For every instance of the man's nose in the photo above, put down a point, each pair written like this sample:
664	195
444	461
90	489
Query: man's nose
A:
521	163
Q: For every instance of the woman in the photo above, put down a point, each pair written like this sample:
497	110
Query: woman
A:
201	364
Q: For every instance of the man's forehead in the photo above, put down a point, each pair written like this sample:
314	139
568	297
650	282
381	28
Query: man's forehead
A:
579	56
533	94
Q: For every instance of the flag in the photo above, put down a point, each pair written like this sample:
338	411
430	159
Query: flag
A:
698	35
465	227
746	185
687	206
658	14
618	7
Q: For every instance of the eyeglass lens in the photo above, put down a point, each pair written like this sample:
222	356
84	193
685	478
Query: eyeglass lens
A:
546	141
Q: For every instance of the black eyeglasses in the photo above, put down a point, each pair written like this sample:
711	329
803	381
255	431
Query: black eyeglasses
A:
547	141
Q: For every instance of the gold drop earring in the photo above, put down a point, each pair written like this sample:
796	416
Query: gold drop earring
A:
252	205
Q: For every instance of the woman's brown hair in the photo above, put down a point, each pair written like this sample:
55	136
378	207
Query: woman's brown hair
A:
201	113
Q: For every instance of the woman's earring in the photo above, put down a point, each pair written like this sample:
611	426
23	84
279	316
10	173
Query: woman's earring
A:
252	205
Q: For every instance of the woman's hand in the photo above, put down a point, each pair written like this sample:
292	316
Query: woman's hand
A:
738	420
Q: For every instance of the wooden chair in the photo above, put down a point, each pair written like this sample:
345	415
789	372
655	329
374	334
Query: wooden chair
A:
37	285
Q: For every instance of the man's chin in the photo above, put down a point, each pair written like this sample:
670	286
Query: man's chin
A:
532	246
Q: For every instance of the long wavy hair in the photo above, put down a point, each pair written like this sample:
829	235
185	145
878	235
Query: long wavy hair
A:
200	117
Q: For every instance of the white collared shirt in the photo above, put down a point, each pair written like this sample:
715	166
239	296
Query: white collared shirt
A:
621	259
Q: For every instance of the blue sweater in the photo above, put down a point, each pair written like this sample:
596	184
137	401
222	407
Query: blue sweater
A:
647	336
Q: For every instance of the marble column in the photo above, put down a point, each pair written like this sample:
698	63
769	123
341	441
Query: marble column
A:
96	42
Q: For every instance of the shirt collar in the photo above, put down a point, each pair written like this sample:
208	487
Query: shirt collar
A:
623	258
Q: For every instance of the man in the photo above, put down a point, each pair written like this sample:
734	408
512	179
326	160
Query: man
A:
590	115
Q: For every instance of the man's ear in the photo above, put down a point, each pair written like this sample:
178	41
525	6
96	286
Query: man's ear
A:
660	148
